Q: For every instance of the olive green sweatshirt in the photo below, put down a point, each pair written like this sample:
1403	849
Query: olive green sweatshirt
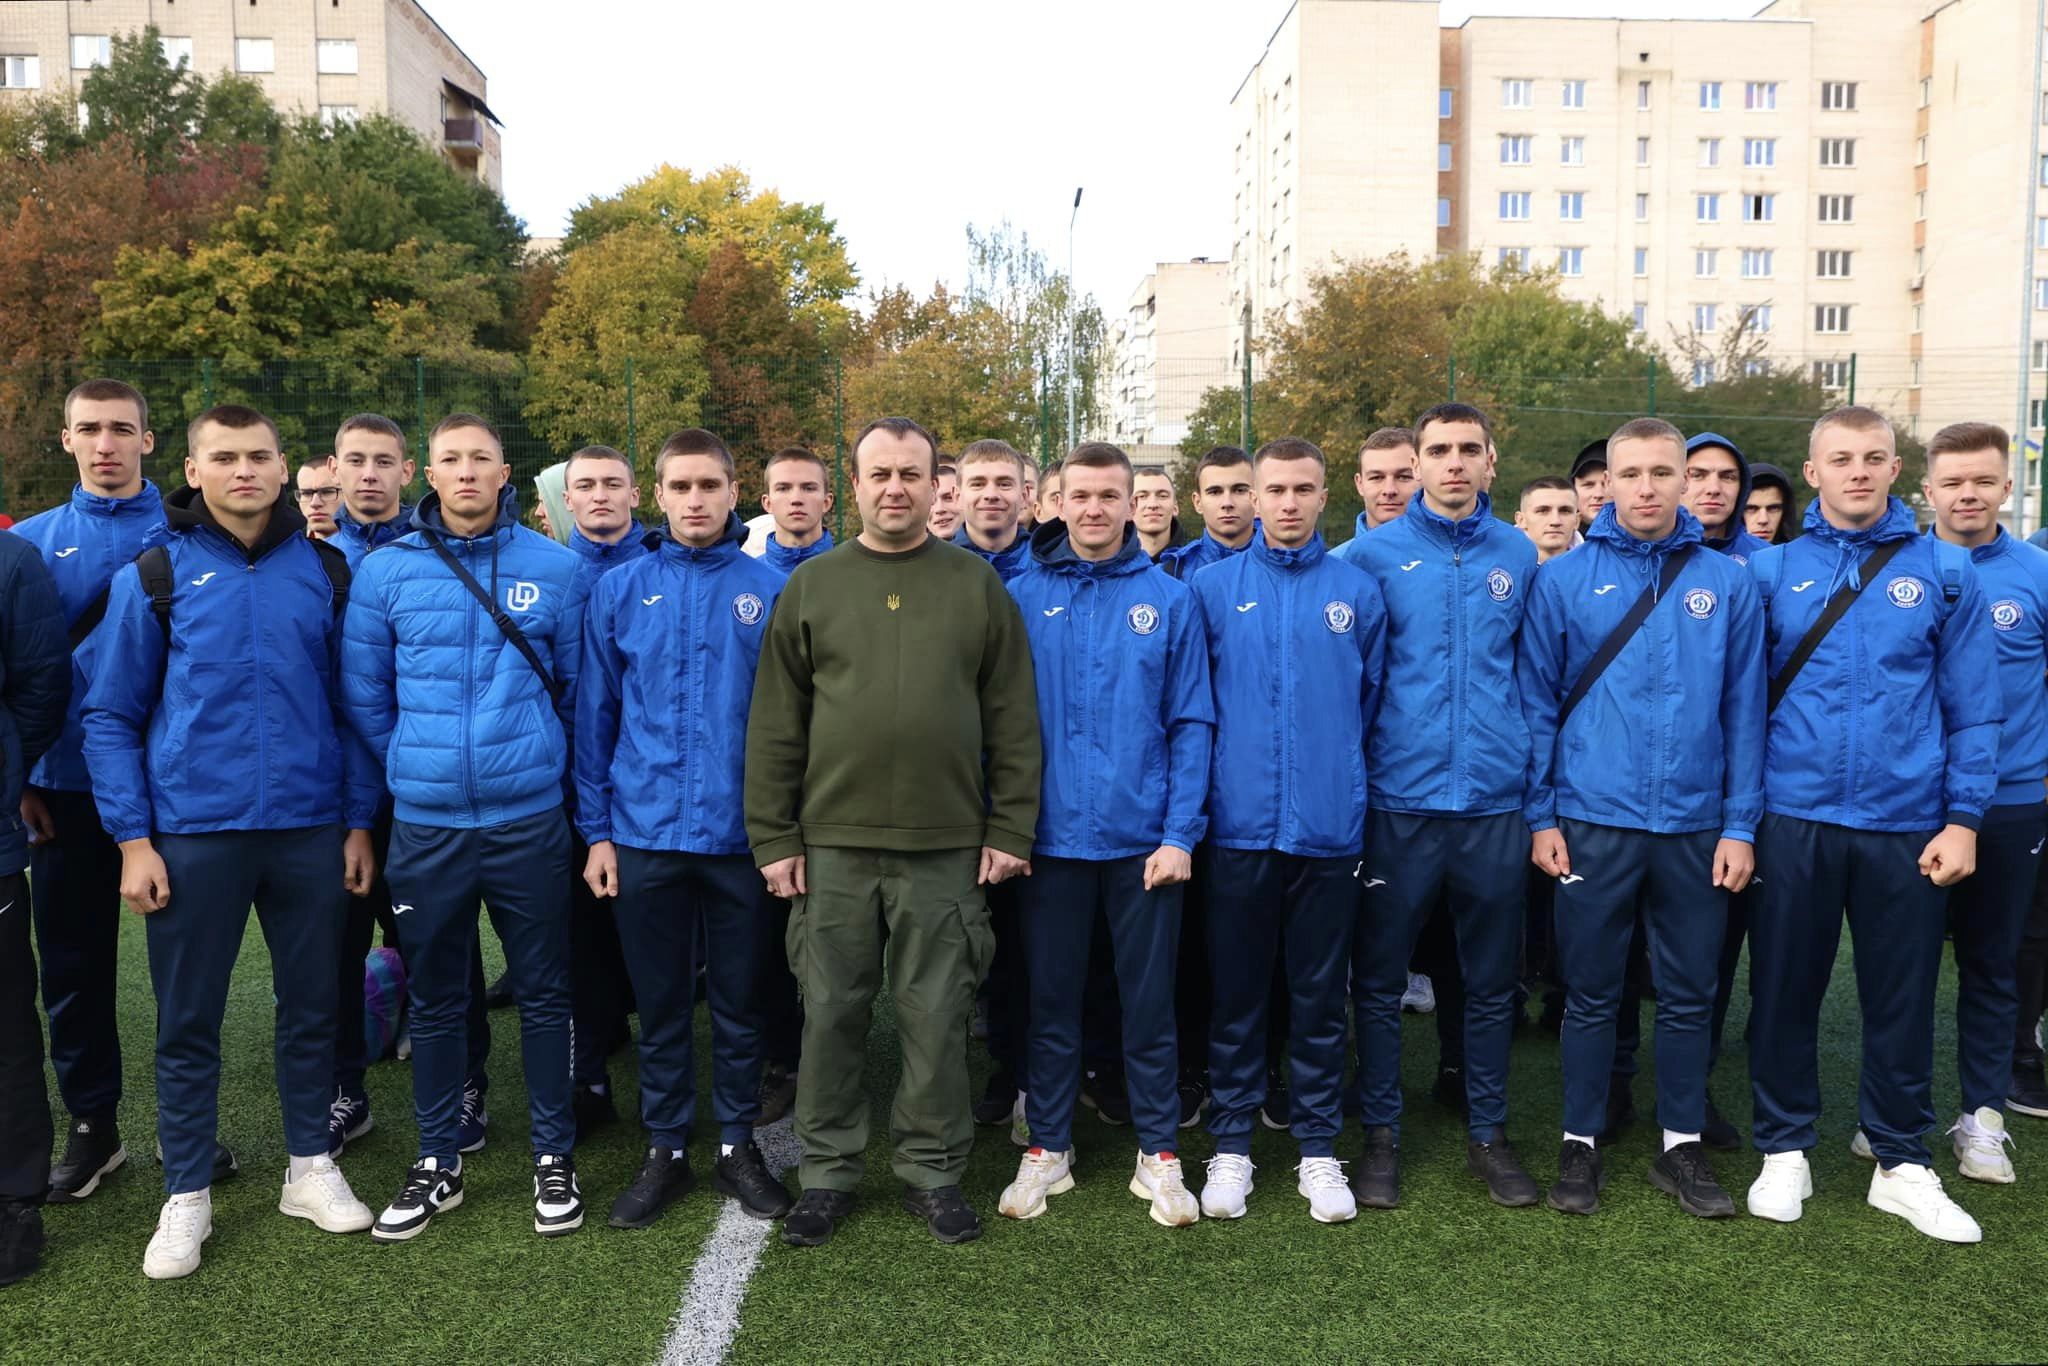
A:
894	708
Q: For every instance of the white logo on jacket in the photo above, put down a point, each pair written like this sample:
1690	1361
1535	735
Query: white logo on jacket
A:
1905	593
1604	589
1144	618
649	602
746	609
2007	614
1500	584
67	550
200	582
1410	565
1699	603
1802	587
521	595
1338	616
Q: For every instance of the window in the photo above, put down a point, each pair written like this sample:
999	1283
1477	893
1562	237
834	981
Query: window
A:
1571	205
177	51
2041	233
2036	408
1840	96
1571	260
1760	95
1833	265
1702	373
90	50
1831	374
1926	91
1756	317
1286	90
255	54
1759	208
1831	317
1759	151
1575	94
1642	151
1514	206
1443	102
1756	263
1706	263
1710	152
1443	156
1642	94
1707	208
1914	379
1920	151
1705	317
1642	262
2041	355
21	73
1710	94
1514	258
1286	206
337	57
1515	149
1517	93
2044	170
1443	212
2040	292
1919	260
1571	151
332	114
1919	317
1838	208
1642	208
1838	151
84	116
1639	316
1920	206
1287	150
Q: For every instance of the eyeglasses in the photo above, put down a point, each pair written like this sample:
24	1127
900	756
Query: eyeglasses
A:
325	494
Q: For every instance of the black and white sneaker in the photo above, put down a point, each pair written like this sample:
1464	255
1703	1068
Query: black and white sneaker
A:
1194	1096
92	1151
557	1199
429	1190
1277	1110
2028	1094
473	1121
348	1119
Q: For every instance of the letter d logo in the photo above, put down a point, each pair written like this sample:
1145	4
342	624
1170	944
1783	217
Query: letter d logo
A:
521	596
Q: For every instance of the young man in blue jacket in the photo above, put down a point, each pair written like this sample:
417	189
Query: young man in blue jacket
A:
1224	502
1881	763
1447	759
797	493
1717	483
1126	719
113	515
462	648
1296	640
370	455
669	653
35	684
1645	787
1968	481
243	624
993	501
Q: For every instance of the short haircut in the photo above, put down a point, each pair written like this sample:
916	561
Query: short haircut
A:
1051	468
948	466
1452	412
1968	436
108	391
1100	455
236	418
899	426
694	441
1219	457
597	453
1289	448
455	422
1392	439
371	422
989	448
1150	471
1856	418
1543	483
311	460
800	453
1647	429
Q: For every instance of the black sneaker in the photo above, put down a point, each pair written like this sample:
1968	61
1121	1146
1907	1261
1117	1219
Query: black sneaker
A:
498	995
778	1092
593	1108
1496	1164
1277	1110
945	1212
348	1119
1621	1108
1718	1133
557	1199
1376	1179
1581	1176
473	1120
1683	1171
743	1174
2028	1094
815	1217
1194	1096
1449	1090
92	1151
21	1240
664	1179
225	1167
429	1190
1104	1093
998	1100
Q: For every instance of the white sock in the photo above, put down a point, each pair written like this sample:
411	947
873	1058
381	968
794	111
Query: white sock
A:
724	1150
1672	1138
301	1165
1579	1138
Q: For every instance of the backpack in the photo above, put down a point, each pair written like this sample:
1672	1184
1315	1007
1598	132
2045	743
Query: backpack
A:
154	565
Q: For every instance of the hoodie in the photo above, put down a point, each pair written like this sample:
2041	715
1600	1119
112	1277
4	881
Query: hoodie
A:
551	487
1761	475
1735	542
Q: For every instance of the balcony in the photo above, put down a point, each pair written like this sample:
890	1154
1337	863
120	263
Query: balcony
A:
463	134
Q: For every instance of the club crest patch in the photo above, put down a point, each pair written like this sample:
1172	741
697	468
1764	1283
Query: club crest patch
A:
1500	584
1700	603
1338	616
746	609
1905	593
2006	614
1143	618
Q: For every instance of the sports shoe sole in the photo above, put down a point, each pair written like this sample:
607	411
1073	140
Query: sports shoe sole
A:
314	1219
1138	1189
92	1183
1780	1216
1059	1187
2024	1108
1888	1207
1327	1219
475	1147
406	1235
349	1136
1670	1188
557	1230
732	1191
1267	1120
180	1273
2000	1175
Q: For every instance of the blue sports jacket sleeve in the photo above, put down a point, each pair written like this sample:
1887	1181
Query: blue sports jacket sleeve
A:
118	705
1744	714
36	655
1372	641
369	675
599	691
1539	671
362	774
1965	656
1190	730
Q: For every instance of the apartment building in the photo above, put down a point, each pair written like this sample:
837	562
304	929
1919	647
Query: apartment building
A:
1844	179
1168	349
340	59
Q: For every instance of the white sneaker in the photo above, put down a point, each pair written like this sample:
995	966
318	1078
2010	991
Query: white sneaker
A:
1420	998
1225	1184
1039	1174
1914	1193
1859	1146
1020	1127
1159	1179
323	1196
1980	1141
1329	1195
1782	1188
186	1222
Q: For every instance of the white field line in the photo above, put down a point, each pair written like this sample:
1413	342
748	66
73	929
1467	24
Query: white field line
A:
707	1321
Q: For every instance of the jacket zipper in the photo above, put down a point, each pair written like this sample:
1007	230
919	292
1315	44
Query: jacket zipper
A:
1458	635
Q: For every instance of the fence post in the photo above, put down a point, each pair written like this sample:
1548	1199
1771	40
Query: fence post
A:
1653	386
632	445
1852	377
839	447
419	404
206	382
1452	362
1044	412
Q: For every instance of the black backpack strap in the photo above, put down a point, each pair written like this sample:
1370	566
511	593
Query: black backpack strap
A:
154	565
338	576
1837	607
1624	631
95	612
499	618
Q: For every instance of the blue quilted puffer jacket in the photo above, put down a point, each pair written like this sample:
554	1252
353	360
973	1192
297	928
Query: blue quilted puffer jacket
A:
464	725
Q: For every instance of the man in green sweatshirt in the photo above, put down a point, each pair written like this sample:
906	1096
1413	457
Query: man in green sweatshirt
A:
892	774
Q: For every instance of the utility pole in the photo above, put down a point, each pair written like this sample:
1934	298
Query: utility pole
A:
2021	427
1070	316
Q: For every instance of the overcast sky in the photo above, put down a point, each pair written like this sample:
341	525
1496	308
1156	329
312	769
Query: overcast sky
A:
909	119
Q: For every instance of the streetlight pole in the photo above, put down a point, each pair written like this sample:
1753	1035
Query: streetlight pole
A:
2022	426
1070	316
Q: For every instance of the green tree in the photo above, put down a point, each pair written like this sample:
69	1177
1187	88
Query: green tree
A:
162	110
769	384
1010	278
947	361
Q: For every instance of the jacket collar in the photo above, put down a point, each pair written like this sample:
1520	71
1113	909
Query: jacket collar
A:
1292	561
1998	545
145	502
1608	531
1896	525
1053	548
1434	523
186	512
600	551
721	551
1016	549
426	516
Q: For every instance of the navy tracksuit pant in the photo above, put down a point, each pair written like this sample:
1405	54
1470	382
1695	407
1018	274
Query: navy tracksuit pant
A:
1684	918
1987	916
294	878
1731	958
1061	903
77	877
2033	974
1412	863
597	971
1808	871
25	1130
666	902
520	871
1267	907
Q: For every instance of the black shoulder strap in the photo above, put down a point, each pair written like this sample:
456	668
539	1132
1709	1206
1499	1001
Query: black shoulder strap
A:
95	612
1624	631
154	565
1838	605
506	626
338	576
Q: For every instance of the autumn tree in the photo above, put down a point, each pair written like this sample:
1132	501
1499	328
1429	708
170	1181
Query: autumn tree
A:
949	362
